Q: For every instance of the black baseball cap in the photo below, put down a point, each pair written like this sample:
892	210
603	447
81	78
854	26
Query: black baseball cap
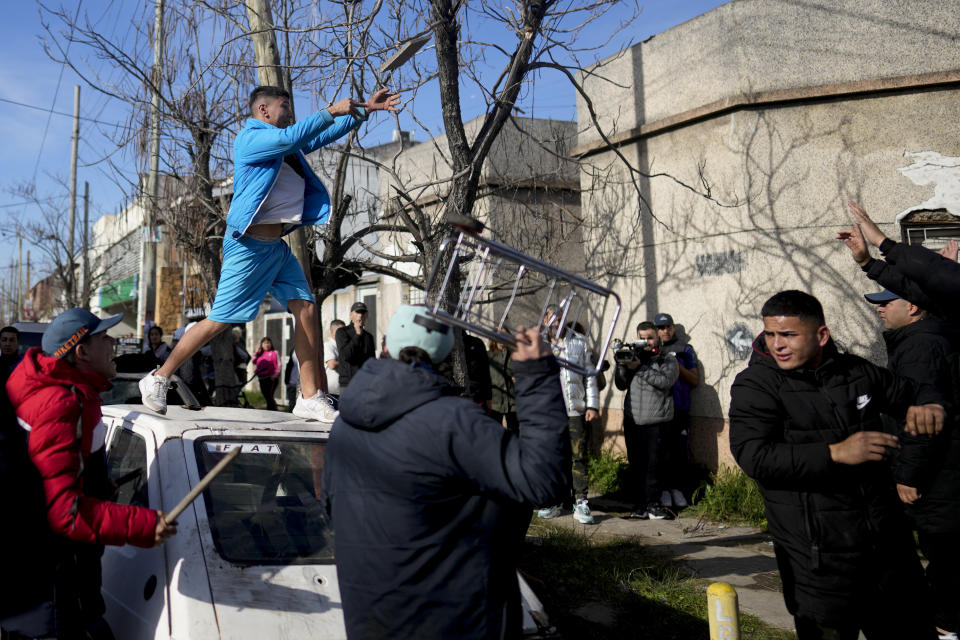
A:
359	307
663	320
72	327
881	297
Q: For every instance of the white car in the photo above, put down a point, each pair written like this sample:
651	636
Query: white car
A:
254	555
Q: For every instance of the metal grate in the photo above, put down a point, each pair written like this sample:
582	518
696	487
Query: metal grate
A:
503	289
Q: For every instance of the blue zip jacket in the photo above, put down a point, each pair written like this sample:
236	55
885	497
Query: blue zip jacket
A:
258	153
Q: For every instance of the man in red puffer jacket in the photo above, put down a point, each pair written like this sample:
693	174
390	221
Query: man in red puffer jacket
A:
56	394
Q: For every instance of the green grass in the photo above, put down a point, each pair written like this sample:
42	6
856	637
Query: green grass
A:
605	472
640	594
729	497
256	400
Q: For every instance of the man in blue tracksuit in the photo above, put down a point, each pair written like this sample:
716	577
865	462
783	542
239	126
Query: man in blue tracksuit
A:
274	193
430	497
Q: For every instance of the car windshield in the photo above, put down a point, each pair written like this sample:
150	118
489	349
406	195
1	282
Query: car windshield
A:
264	508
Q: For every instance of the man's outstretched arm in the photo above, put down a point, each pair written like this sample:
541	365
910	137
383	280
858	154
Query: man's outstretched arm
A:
356	113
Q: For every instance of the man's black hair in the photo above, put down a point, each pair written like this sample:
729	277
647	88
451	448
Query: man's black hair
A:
337	323
265	91
12	330
793	303
414	355
646	325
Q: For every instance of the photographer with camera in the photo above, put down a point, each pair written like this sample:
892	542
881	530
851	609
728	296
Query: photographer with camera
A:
648	376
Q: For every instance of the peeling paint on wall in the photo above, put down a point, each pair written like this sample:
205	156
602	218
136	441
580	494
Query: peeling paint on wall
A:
943	172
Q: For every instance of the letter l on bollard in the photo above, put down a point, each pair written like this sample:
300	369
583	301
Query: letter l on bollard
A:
723	612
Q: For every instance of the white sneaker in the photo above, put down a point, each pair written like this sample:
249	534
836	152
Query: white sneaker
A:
947	635
679	502
581	512
319	408
153	392
548	512
666	499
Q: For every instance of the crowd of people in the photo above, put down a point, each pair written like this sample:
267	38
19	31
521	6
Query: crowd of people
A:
430	486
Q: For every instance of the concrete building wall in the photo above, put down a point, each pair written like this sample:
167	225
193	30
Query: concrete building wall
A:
778	173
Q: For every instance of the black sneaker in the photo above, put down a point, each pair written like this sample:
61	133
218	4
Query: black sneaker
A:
639	515
657	512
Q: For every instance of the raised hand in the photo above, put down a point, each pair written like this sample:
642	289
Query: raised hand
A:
950	251
382	100
853	238
530	346
871	232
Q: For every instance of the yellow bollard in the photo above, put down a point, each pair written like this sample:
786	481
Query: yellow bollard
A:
723	612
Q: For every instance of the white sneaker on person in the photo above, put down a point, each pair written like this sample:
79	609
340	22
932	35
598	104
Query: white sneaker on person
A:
679	502
549	512
581	512
665	499
317	407
947	635
153	391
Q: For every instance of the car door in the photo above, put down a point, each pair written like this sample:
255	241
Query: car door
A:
134	579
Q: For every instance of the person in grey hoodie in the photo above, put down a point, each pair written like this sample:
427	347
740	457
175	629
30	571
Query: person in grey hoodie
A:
430	497
647	415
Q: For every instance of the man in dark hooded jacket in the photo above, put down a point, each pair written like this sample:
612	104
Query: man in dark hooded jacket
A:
921	347
927	278
805	424
430	497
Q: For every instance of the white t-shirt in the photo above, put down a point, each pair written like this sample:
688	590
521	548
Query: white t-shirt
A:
285	200
330	352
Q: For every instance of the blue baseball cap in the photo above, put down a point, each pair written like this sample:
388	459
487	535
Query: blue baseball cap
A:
72	327
881	297
662	320
411	327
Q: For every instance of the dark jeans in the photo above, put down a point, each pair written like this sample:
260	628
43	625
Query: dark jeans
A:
943	576
673	451
580	445
513	424
267	386
291	396
643	444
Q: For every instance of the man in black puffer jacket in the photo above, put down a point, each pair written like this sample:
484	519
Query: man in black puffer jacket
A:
430	497
922	347
805	424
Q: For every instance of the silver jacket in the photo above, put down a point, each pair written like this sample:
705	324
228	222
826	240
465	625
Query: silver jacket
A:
579	392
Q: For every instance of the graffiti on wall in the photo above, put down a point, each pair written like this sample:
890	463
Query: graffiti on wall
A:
740	341
714	264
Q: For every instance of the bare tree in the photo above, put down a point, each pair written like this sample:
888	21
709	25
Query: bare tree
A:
200	87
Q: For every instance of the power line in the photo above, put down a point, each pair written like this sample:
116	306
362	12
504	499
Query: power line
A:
53	111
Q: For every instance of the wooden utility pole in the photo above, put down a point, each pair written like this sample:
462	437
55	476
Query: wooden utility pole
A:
33	313
69	275
85	290
270	72
146	296
19	289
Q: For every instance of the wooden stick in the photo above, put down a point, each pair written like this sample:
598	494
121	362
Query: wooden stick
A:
171	516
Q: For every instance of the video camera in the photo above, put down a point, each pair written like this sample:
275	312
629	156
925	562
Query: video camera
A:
624	352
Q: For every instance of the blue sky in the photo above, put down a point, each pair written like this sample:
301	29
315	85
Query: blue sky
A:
29	77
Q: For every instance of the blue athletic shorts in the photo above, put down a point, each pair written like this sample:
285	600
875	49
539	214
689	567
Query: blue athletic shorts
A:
251	268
